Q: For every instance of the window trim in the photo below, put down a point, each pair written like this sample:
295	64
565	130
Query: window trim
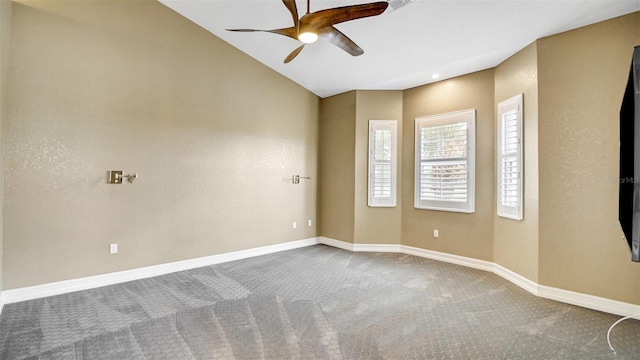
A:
391	201
468	116
504	107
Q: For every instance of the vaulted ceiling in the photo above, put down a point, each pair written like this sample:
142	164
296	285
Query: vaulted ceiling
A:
405	45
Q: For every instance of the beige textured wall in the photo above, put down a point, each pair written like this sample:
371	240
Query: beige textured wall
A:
336	191
582	77
344	128
515	243
375	225
213	135
462	234
5	41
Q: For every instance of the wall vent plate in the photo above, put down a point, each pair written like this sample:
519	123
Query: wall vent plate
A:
115	177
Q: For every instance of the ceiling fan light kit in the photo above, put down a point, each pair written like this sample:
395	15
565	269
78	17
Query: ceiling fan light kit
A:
308	37
319	24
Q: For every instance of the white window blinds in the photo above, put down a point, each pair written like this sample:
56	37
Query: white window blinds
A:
382	163
445	162
510	165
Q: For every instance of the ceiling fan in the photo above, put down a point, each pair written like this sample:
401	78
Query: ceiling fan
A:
313	25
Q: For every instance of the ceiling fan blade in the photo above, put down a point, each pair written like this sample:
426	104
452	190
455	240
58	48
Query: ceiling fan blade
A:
293	54
340	40
291	32
291	5
323	18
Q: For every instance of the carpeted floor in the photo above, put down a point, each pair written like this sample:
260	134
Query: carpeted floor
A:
312	303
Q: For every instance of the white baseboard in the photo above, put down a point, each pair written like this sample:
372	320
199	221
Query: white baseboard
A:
67	286
589	301
561	295
449	258
565	296
517	279
390	248
335	243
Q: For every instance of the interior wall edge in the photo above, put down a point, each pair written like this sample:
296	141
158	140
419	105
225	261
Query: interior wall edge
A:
518	74
336	164
376	225
5	44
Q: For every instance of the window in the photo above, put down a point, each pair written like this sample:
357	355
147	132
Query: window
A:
382	163
510	166
445	162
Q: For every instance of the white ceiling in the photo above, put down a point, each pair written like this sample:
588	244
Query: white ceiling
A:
403	48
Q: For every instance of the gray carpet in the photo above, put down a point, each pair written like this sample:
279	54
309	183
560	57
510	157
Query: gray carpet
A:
312	303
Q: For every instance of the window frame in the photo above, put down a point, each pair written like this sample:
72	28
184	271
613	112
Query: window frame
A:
505	107
468	116
390	201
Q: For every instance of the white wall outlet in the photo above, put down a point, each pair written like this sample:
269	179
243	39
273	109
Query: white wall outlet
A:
309	223
295	225
113	249
436	233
